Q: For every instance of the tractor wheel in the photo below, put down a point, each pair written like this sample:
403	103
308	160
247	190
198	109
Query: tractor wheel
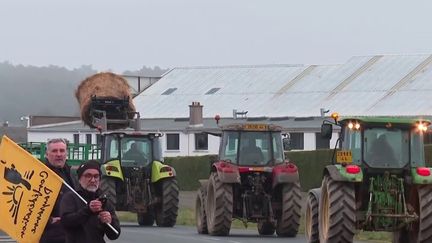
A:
108	187
311	225
219	206
421	230
200	213
145	219
166	210
288	219
337	211
265	228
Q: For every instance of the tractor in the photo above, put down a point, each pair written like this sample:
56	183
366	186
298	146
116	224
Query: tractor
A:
377	181
250	180
138	181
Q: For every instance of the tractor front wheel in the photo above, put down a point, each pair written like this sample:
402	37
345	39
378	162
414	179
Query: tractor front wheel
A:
312	207
200	213
265	228
145	219
337	211
167	209
420	199
288	220
219	206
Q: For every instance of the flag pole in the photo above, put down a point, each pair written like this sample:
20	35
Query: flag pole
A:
82	199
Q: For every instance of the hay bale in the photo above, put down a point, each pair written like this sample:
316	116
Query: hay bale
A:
103	85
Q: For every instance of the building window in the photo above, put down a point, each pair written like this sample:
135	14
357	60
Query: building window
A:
201	141
173	141
321	143
296	140
88	139
169	91
76	138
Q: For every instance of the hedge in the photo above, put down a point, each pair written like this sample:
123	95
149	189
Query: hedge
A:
310	164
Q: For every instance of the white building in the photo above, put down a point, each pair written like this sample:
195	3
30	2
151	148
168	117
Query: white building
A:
293	96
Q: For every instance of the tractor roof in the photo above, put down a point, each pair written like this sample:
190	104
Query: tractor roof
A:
259	127
384	120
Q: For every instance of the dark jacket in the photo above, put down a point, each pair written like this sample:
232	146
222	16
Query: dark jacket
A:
81	224
54	233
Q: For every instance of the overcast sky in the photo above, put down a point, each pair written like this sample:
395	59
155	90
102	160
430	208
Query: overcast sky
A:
128	34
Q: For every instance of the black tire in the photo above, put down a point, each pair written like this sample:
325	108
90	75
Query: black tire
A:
288	220
200	213
311	218
145	219
420	231
167	209
108	187
265	228
337	211
219	206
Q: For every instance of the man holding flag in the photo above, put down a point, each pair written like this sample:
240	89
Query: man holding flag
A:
56	155
28	192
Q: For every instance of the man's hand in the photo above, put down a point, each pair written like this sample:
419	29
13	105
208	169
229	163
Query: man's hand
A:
105	217
95	206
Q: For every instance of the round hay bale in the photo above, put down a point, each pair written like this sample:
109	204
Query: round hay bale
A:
103	85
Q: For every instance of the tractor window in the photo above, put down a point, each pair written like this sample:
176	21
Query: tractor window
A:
255	148
112	145
386	148
352	142
136	151
417	149
229	148
277	148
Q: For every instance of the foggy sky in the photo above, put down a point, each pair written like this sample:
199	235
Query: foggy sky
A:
128	34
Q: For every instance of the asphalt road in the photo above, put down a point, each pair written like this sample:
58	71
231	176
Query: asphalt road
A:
132	233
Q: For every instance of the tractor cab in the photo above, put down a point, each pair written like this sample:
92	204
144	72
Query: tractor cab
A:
252	145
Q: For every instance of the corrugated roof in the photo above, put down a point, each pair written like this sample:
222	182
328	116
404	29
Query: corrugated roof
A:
368	85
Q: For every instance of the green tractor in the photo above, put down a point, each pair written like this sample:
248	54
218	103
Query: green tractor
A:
134	176
377	181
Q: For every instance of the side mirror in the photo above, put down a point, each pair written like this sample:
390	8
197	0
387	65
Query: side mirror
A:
326	131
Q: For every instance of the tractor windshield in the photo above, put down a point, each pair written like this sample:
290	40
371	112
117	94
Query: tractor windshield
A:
131	150
252	148
392	148
136	151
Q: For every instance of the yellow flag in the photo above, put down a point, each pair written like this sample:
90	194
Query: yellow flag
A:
28	192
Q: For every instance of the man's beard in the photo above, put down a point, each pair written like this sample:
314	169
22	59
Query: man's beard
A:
92	188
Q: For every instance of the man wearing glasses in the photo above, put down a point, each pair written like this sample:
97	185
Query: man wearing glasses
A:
88	222
56	155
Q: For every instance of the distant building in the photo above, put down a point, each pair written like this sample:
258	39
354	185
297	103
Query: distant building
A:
293	96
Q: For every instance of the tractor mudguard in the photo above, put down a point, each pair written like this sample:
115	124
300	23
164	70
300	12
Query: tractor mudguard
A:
316	192
285	173
203	182
338	173
160	171
421	179
112	168
227	173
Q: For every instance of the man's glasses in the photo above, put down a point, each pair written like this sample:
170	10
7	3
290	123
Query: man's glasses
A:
89	176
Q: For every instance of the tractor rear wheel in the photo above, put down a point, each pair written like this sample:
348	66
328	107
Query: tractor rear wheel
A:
108	187
145	219
421	230
311	225
288	220
167	209
200	213
337	211
265	228
219	206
